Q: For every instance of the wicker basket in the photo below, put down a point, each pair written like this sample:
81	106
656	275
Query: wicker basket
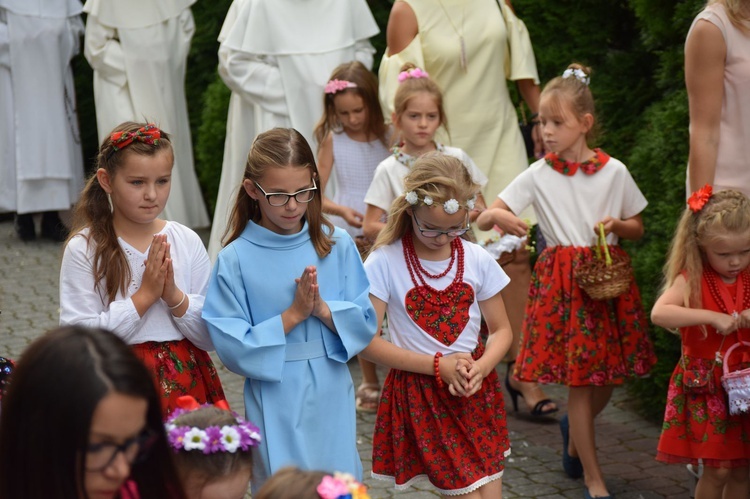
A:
736	384
604	278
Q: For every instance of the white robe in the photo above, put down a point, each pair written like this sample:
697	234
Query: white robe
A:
276	56
138	51
41	162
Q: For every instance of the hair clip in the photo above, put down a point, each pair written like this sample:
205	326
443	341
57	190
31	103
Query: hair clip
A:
578	74
451	206
699	198
212	439
334	86
341	486
415	73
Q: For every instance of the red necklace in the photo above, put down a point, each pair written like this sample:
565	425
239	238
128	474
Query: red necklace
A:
418	273
721	295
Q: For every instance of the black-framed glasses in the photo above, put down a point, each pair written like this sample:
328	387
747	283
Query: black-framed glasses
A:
433	233
100	456
282	198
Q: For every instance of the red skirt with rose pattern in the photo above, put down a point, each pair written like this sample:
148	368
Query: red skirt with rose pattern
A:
570	339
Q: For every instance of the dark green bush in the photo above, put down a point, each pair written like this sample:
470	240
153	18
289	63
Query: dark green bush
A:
209	140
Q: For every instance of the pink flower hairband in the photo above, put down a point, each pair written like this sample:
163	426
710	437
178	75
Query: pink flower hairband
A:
415	73
340	486
334	86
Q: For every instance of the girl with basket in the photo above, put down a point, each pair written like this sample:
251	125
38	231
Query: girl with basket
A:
707	296
572	335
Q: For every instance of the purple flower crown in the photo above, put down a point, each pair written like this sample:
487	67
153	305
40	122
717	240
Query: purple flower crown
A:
227	438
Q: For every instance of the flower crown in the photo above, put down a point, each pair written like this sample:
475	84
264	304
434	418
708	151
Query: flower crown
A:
334	86
451	206
341	486
212	439
578	74
699	198
414	73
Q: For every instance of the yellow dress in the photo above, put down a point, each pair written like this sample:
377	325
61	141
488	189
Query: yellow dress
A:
481	118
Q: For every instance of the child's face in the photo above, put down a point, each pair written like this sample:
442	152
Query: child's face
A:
434	219
140	187
419	122
283	181
232	486
351	111
728	255
114	443
563	132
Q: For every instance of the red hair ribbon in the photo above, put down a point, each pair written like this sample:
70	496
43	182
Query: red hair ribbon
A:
188	403
148	134
699	198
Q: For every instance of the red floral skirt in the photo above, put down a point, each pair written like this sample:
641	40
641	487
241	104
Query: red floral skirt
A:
699	426
458	443
180	368
570	339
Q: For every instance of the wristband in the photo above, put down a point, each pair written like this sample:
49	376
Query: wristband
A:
181	302
438	379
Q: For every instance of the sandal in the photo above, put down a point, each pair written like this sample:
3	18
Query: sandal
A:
367	397
539	408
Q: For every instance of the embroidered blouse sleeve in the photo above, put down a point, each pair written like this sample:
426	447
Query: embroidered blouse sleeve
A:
82	304
103	51
196	274
256	351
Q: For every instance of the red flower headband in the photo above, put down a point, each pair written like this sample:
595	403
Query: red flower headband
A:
148	134
699	198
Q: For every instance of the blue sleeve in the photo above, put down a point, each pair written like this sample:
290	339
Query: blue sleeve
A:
256	351
353	314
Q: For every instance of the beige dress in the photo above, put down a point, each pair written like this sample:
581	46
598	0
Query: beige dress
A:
732	171
481	117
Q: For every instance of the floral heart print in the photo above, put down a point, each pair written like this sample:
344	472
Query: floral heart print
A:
441	314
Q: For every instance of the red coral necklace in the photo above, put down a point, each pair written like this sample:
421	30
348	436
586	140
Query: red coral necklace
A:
418	273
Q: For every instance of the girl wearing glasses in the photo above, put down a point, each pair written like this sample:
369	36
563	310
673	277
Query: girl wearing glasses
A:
83	408
441	414
287	307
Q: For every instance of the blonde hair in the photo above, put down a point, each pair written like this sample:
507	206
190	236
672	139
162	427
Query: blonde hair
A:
573	94
291	483
280	148
367	89
411	87
737	13
93	211
726	212
434	174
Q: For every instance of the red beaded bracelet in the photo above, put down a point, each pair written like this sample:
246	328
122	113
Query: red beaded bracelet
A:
439	380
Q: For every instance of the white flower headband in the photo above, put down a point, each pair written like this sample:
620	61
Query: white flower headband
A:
578	74
212	439
451	206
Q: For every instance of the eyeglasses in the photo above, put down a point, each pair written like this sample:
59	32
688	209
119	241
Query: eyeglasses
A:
100	456
282	198
433	233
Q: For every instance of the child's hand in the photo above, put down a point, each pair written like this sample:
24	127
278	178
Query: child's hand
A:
609	225
320	307
304	296
352	216
171	293
509	223
724	323
476	378
453	371
744	319
155	273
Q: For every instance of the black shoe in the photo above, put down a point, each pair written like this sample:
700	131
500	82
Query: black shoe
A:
24	225
53	228
572	465
538	409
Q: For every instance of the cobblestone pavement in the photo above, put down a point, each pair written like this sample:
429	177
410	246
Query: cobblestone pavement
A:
29	274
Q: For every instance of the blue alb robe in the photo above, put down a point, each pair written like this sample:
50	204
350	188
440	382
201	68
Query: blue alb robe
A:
298	388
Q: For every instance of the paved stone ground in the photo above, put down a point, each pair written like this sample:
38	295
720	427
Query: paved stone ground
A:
29	274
